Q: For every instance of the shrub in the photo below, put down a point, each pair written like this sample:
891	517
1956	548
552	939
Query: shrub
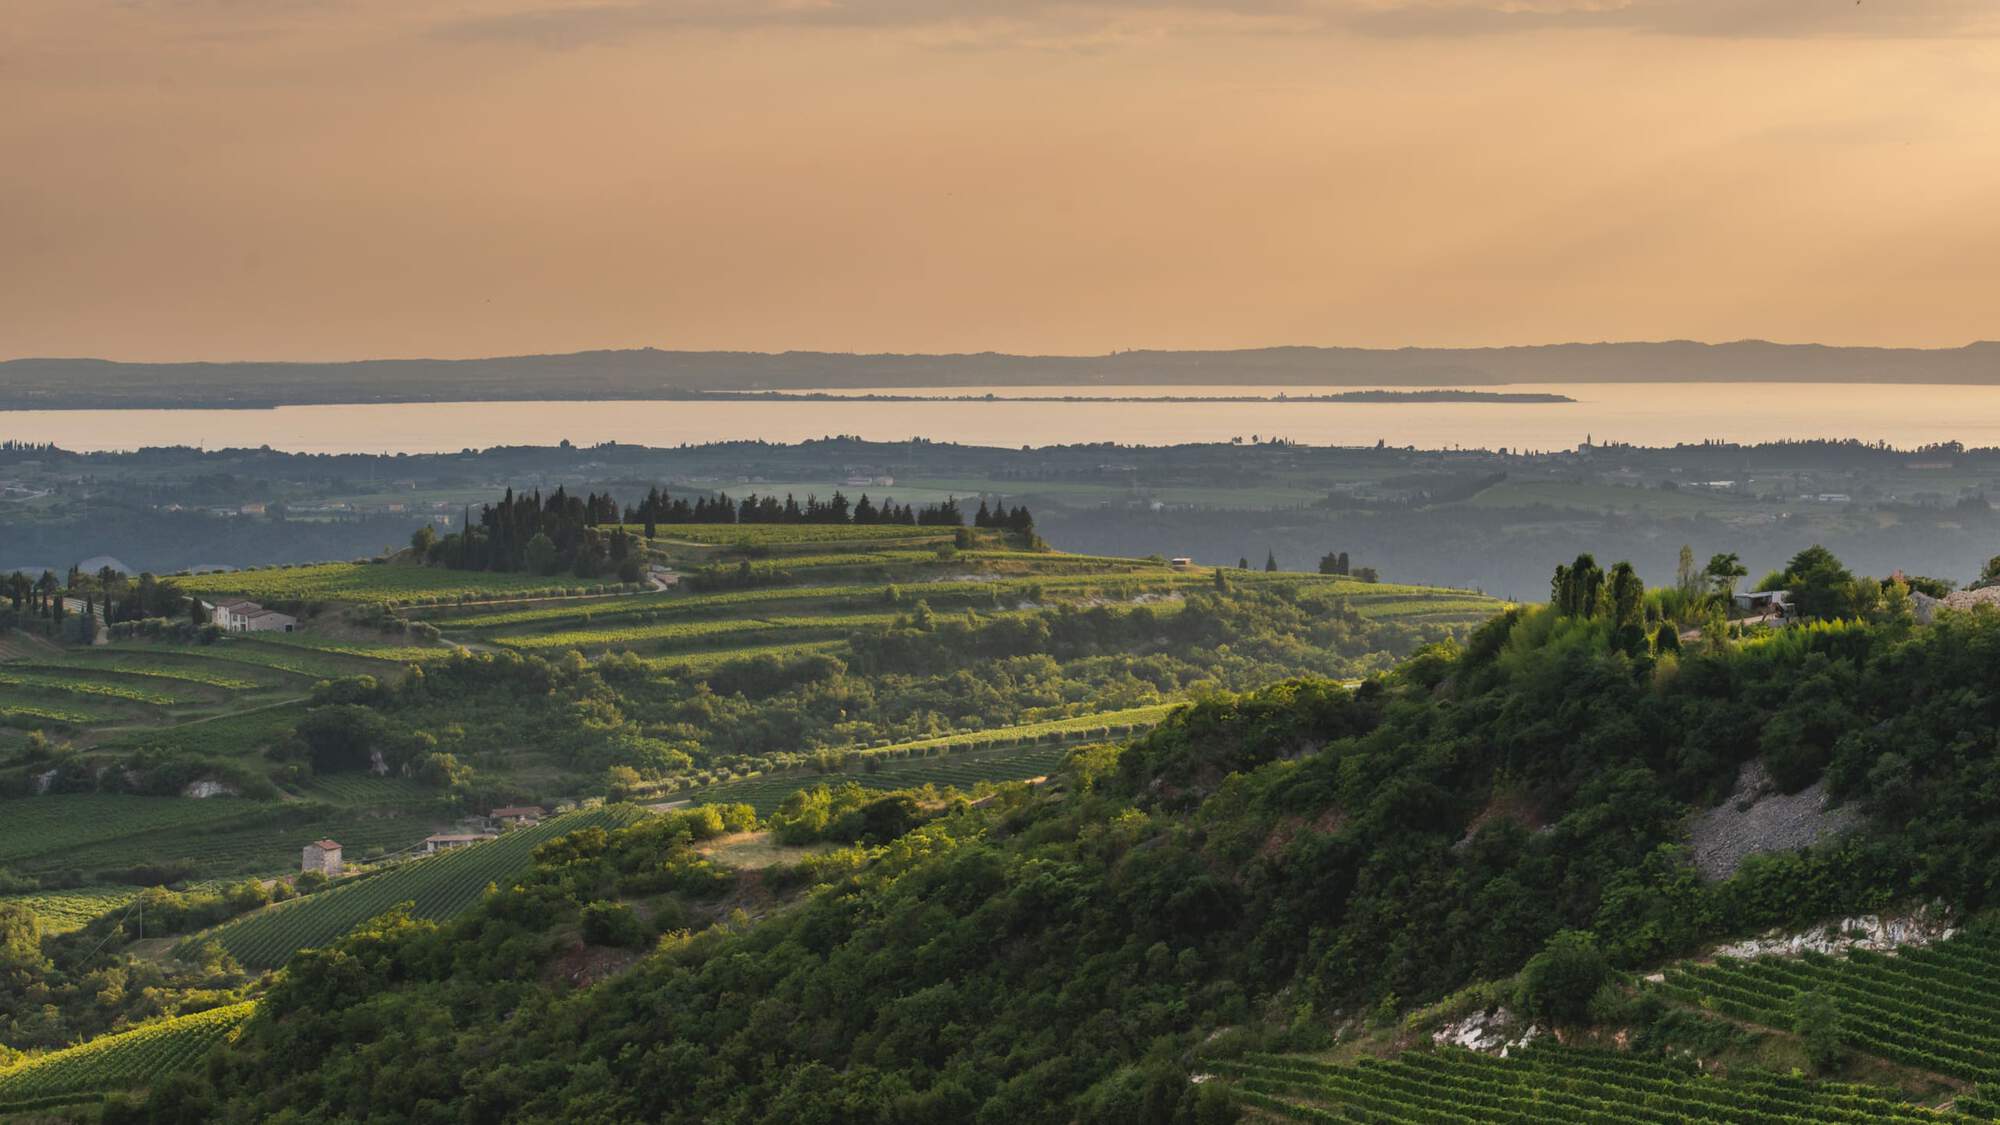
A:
1559	983
614	924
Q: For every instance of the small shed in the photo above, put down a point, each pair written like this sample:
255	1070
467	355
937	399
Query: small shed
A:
1181	561
322	856
445	841
517	814
1758	602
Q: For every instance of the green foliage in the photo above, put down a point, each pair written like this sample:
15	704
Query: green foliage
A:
122	1061
613	924
1816	1019
436	886
1560	982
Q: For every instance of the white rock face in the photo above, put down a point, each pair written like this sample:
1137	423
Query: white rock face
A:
43	781
1490	1032
208	789
1873	932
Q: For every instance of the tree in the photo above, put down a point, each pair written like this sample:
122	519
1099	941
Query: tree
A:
1723	571
1816	1019
1558	982
1221	581
1821	587
1628	608
1270	562
1989	575
1686	579
1243	563
541	557
422	540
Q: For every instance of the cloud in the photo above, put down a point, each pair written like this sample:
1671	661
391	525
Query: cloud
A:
576	22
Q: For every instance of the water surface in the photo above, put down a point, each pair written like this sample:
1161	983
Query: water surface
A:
1640	413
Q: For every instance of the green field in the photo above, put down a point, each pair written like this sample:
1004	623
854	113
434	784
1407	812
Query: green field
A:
1928	1008
66	910
438	887
109	1063
364	582
765	794
762	534
218	836
693	632
1546	1083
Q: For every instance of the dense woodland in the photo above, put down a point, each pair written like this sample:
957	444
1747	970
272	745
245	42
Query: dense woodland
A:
1275	863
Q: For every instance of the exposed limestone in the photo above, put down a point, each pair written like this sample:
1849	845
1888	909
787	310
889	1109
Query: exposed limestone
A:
1873	932
1491	1032
1757	819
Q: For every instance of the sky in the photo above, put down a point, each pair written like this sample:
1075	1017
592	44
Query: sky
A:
336	179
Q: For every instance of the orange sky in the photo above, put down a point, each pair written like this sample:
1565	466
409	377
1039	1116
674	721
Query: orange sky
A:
317	179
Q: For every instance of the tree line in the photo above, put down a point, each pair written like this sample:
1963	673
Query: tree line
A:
660	508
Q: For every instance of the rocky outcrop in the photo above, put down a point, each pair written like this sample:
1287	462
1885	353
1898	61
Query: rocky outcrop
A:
1757	819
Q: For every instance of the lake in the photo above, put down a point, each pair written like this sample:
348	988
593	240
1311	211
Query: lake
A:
1639	413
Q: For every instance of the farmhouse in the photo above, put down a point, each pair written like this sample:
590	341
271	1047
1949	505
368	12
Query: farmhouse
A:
517	814
240	616
445	841
1758	602
322	856
1181	562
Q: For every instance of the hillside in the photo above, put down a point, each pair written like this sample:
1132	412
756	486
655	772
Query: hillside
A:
650	373
1274	889
841	681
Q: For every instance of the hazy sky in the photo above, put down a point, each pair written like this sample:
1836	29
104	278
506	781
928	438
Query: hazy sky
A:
316	179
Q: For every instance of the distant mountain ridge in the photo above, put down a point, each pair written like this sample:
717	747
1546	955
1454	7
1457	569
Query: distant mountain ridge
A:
649	373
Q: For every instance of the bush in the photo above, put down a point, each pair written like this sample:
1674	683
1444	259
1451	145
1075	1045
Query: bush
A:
1559	983
614	924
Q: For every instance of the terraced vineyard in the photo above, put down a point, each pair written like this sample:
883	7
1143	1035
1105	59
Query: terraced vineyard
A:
439	886
1931	1008
219	836
765	794
693	632
1547	1083
127	1060
375	583
67	910
775	534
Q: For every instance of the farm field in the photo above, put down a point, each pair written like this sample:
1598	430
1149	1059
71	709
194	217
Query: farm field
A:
62	911
439	886
771	534
372	583
1927	1008
693	632
218	836
124	1061
1546	1083
765	794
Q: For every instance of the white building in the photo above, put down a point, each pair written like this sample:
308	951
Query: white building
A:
515	815
445	841
322	856
241	616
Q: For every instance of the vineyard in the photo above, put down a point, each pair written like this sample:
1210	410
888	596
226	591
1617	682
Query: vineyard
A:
377	583
694	632
219	836
66	910
1547	1083
765	794
126	1060
771	534
1932	1009
439	886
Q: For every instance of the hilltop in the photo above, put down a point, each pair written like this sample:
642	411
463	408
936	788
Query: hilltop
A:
1289	902
649	373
